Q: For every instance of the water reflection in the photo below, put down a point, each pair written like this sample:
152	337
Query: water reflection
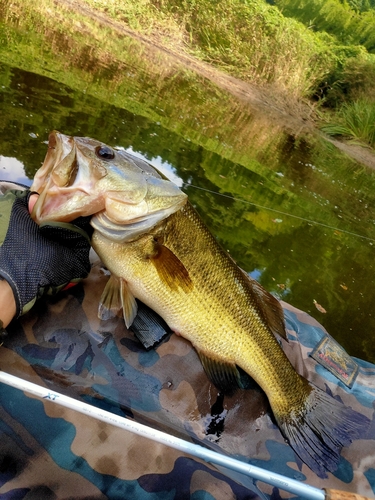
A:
261	189
13	170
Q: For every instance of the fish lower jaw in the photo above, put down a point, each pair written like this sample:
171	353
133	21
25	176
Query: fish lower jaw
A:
56	208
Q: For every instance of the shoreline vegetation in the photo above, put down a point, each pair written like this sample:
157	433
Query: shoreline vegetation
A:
317	56
241	146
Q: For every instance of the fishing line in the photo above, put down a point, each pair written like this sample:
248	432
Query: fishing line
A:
309	221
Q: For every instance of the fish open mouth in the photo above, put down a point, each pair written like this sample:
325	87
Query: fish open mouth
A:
53	178
81	177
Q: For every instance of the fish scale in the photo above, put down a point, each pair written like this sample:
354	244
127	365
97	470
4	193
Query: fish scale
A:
211	315
159	251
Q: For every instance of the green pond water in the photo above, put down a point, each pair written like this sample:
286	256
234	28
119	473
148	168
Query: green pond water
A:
293	211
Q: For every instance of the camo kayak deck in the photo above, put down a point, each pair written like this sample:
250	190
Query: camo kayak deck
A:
50	452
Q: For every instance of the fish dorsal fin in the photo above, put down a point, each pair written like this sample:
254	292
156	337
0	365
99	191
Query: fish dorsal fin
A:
116	297
270	308
224	375
170	269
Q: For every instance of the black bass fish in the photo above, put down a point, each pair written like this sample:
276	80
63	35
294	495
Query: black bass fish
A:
160	252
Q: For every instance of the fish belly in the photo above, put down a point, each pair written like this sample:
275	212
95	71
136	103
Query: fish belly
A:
215	311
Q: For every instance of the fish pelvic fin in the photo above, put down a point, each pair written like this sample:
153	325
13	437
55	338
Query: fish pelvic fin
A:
115	298
224	375
270	308
318	431
170	269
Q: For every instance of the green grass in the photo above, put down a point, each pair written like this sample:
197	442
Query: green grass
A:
250	40
356	121
336	17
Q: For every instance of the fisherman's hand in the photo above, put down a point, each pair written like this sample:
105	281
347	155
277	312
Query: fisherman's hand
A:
39	260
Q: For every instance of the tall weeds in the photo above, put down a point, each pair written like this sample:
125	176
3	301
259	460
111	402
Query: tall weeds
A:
254	41
356	121
249	39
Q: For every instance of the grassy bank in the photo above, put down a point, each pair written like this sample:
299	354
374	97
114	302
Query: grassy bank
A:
300	54
252	41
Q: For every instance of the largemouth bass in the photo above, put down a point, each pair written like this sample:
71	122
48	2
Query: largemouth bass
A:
160	252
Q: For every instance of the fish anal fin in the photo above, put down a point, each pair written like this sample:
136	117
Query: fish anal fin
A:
270	308
170	269
224	375
115	298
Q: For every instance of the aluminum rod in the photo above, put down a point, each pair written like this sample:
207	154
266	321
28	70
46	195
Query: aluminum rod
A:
274	479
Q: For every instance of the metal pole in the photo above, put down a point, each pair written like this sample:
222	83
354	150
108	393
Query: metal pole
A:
274	479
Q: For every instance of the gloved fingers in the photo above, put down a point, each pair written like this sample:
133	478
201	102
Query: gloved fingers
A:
65	233
35	261
85	224
32	200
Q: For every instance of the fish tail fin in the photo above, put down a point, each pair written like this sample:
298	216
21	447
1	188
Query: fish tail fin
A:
319	430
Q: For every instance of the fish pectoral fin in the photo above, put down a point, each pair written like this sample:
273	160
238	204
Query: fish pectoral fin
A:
115	298
170	269
270	308
224	375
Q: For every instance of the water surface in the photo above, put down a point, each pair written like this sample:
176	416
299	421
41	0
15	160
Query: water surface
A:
292	210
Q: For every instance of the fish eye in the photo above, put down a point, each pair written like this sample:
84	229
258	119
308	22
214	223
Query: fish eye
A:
105	152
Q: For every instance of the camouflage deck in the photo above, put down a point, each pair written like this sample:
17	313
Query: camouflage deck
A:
49	452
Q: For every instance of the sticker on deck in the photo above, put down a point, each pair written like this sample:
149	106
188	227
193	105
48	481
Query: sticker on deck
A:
335	359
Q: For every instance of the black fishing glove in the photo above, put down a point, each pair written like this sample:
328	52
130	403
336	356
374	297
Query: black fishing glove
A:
38	260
